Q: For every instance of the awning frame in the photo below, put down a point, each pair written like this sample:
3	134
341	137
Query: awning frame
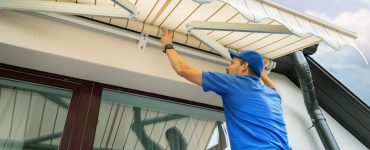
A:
72	8
131	35
221	26
238	27
299	24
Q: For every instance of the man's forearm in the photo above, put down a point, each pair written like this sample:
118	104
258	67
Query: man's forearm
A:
266	80
177	62
181	67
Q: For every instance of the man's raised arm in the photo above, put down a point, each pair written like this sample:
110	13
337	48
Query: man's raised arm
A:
181	67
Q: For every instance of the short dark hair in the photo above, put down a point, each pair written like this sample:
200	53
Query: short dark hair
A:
242	62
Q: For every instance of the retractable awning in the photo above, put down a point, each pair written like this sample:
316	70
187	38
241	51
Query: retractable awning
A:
301	25
294	30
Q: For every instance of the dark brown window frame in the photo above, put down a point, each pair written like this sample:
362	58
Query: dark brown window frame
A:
78	119
80	126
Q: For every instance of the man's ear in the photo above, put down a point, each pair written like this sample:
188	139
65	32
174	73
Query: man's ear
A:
245	66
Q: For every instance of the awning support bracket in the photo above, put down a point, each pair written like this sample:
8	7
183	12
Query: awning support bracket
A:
143	41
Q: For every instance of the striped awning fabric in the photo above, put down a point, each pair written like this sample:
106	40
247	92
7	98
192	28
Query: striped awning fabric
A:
176	14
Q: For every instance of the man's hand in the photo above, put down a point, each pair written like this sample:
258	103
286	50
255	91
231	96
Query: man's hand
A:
265	79
166	36
266	62
181	67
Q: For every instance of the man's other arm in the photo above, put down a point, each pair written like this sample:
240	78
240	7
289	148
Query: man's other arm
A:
266	80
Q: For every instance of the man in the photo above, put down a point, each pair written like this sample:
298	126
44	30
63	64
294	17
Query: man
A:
253	110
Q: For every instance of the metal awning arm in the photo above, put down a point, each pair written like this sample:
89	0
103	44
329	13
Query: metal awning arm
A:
210	42
72	8
134	12
194	27
239	27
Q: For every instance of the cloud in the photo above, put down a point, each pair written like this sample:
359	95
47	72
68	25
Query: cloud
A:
346	64
320	15
341	1
358	22
366	2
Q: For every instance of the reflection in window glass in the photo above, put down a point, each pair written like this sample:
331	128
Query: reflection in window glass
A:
129	121
32	116
219	139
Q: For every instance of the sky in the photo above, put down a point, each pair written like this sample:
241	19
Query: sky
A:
346	64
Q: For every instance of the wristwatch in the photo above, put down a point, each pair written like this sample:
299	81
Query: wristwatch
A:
167	46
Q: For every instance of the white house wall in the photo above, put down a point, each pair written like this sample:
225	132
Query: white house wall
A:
298	121
33	42
73	51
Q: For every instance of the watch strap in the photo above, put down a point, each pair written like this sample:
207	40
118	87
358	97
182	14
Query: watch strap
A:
167	46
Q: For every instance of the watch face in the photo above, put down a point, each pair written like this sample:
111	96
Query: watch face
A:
169	46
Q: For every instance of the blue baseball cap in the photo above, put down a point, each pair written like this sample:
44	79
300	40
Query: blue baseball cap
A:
254	60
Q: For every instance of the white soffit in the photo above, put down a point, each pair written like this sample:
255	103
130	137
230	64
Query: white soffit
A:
64	8
176	14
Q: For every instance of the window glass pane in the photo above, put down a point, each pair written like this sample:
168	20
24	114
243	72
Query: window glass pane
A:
128	121
32	115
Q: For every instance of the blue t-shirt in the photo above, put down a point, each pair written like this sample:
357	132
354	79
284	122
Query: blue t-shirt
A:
253	111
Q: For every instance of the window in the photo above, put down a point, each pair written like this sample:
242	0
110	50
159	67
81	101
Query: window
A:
129	121
39	110
32	115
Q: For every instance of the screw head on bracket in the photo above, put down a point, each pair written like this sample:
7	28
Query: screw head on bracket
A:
189	27
133	16
143	41
203	1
